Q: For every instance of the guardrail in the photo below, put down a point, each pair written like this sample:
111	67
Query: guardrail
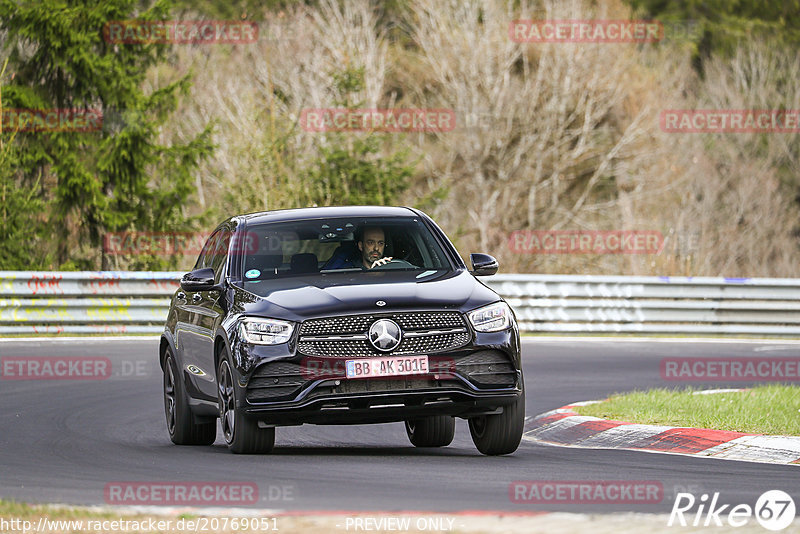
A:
137	302
85	302
639	304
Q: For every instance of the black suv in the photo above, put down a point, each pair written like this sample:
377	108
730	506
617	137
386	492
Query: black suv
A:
340	315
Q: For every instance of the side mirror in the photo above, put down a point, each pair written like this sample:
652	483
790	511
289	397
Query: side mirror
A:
483	264
198	280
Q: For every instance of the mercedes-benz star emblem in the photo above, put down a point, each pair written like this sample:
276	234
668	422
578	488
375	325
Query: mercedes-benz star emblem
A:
385	335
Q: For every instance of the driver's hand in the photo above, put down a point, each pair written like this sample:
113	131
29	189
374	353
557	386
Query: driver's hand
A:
382	261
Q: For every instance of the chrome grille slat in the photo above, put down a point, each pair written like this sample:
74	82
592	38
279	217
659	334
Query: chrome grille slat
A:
347	337
358	324
362	349
419	333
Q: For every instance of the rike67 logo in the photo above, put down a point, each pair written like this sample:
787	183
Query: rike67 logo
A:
774	510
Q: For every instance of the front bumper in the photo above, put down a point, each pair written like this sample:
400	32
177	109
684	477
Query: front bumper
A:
477	379
323	405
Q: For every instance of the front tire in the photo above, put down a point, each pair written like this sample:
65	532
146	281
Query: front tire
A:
501	433
436	431
242	434
182	428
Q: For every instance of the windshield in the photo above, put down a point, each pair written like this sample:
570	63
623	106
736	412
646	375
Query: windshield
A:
330	246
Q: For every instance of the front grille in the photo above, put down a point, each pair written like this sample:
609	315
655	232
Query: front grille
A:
358	324
490	368
361	348
423	333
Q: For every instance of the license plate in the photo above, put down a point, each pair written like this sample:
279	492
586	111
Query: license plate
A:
390	366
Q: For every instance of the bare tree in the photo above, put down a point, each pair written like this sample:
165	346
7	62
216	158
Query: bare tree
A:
741	188
564	121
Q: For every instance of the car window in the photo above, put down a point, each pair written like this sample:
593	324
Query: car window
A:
205	258
330	246
219	253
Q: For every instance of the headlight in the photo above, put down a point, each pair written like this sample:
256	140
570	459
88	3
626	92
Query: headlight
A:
265	331
492	318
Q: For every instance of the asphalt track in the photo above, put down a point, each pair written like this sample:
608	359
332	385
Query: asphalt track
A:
63	441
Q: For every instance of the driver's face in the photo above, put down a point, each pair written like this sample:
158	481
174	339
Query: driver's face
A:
371	246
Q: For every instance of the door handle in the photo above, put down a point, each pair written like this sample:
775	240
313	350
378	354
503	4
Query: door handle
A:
197	297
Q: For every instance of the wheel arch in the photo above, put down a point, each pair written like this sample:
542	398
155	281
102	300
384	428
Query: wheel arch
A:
166	342
220	344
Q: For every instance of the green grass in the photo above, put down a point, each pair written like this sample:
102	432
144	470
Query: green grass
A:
13	509
773	409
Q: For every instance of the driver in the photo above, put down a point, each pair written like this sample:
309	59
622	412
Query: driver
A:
371	245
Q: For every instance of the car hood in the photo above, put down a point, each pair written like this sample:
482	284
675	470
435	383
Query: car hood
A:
305	297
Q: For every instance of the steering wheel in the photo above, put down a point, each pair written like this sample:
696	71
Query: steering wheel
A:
396	264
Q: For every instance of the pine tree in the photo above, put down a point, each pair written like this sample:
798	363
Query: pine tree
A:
117	177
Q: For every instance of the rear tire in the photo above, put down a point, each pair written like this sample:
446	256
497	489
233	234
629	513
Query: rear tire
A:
436	431
501	433
242	434
182	428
